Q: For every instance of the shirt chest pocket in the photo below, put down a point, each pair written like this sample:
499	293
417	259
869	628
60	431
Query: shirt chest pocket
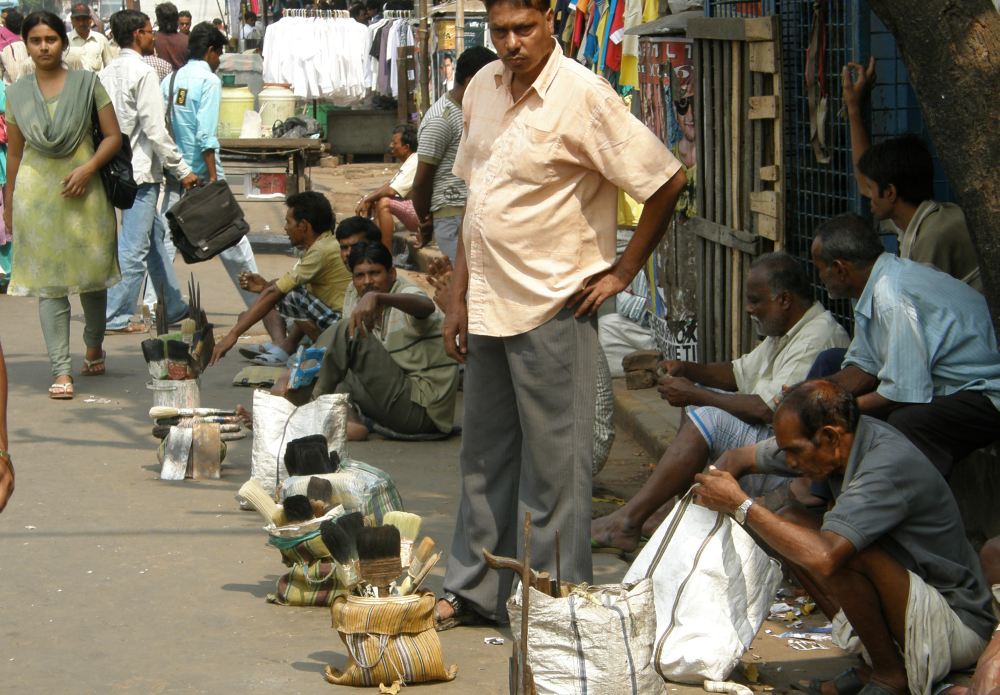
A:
533	155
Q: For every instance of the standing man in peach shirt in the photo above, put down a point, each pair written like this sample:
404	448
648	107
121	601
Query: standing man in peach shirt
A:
546	146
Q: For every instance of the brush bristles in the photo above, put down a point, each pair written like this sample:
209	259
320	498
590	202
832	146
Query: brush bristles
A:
297	508
408	524
352	523
338	542
378	543
319	489
258	498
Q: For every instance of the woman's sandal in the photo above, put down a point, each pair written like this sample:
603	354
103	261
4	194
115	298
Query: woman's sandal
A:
94	367
62	392
463	614
846	683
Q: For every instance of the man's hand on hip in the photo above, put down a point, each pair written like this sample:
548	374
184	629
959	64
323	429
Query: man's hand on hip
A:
596	291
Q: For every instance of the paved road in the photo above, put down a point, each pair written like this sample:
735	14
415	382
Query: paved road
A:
115	581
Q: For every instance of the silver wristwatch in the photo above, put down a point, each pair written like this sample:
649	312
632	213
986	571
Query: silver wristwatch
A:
741	511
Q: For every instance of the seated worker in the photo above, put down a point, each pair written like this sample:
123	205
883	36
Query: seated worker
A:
889	561
390	200
897	176
352	231
388	352
730	404
311	293
924	354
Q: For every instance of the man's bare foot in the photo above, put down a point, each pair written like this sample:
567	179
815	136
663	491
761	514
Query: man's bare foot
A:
614	531
650	525
356	430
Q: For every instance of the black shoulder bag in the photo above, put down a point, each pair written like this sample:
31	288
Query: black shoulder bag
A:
206	220
119	181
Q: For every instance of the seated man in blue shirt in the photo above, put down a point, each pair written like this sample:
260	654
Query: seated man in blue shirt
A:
924	354
192	96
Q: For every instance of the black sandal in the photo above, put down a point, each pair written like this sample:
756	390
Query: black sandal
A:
462	614
846	683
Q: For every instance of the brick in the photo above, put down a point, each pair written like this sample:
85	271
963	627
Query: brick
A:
640	379
641	359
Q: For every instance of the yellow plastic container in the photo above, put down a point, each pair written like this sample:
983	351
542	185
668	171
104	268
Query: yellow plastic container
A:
277	103
235	102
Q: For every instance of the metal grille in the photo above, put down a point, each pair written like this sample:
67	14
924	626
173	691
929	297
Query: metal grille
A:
817	191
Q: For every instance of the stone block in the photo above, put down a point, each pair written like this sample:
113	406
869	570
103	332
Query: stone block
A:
641	359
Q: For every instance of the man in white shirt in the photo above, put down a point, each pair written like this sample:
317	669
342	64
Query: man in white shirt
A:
91	47
135	93
391	200
731	404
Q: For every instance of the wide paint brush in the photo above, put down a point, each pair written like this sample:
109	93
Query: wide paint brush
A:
378	557
258	498
344	551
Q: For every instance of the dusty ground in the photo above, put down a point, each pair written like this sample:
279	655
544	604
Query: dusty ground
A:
115	581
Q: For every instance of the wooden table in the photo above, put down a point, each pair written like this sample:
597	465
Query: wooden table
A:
295	151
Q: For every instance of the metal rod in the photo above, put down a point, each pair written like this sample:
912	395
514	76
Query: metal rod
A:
525	597
558	593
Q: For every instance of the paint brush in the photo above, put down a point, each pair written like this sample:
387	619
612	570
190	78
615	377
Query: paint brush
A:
409	526
344	551
297	509
421	554
378	557
308	455
319	489
258	498
153	353
158	412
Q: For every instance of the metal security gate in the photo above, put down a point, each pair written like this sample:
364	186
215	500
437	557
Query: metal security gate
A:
740	187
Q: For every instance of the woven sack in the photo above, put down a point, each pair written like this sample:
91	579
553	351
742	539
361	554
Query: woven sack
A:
388	640
312	580
356	485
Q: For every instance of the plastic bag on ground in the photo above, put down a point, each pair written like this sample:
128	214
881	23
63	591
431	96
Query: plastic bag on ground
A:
713	586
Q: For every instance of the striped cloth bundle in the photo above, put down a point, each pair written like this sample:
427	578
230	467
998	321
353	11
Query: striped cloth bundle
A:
312	581
356	485
388	640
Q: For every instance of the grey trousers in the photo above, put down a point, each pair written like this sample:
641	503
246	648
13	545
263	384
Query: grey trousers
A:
363	368
54	314
527	446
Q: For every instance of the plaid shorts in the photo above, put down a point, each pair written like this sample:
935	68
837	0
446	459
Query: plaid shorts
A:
301	305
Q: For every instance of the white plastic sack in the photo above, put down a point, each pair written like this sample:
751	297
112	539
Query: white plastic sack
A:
276	422
713	586
598	640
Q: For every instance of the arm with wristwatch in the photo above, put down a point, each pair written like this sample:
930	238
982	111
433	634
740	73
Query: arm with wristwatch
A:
818	551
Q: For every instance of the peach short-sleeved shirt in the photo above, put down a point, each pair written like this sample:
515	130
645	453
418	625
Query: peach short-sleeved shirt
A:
543	176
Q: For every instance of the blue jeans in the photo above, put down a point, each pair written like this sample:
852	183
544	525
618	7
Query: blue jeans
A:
140	247
236	259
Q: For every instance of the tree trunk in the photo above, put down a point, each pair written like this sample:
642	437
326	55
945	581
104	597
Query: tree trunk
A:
951	49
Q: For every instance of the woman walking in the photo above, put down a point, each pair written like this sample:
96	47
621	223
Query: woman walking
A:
66	243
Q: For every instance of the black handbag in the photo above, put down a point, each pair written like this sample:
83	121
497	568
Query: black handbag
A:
119	181
206	221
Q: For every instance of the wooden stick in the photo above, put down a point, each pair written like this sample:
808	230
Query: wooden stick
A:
558	593
525	597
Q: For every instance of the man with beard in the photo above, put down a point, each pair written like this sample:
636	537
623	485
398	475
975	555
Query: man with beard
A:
731	404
